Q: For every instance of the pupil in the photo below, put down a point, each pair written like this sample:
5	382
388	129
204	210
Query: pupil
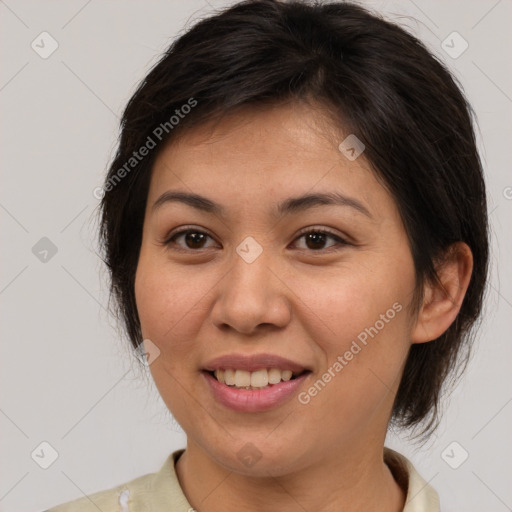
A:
316	238
195	239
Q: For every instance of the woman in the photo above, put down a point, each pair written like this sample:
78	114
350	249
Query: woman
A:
295	226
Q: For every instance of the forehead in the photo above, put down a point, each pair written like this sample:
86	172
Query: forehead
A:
264	154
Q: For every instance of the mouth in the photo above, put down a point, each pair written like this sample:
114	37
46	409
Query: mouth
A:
254	380
255	390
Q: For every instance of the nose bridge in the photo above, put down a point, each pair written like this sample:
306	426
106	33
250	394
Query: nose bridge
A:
251	264
250	275
251	294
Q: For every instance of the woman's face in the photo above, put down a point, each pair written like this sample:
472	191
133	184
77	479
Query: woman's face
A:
250	293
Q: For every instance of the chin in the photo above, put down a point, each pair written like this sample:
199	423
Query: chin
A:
259	458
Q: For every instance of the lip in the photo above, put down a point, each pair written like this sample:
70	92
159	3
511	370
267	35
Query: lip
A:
253	400
253	362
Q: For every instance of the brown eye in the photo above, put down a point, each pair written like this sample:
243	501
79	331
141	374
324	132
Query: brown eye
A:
315	239
192	239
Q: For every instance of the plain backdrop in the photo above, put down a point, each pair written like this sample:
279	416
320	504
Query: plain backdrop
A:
67	376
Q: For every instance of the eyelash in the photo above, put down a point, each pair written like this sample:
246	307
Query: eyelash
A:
340	241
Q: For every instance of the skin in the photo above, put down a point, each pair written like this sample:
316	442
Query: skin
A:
306	302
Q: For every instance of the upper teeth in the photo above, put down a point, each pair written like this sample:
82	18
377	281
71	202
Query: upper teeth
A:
257	379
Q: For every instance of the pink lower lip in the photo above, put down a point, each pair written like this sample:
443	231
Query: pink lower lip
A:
253	400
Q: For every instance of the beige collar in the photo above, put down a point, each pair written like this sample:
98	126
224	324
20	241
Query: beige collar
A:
421	497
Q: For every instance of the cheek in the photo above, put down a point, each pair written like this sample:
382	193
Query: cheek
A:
364	334
362	366
348	303
171	304
168	305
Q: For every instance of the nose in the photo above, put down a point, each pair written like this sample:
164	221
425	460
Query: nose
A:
252	297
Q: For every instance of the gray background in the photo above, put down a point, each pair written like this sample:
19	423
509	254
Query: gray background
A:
67	377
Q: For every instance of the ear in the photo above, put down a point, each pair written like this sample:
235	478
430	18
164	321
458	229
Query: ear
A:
442	300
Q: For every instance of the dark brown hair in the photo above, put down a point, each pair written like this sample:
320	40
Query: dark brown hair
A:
379	83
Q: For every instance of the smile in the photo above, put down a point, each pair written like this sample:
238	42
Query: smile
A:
254	399
259	379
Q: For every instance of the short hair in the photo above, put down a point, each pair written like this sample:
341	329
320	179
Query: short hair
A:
378	82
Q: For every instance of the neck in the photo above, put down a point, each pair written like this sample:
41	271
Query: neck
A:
346	480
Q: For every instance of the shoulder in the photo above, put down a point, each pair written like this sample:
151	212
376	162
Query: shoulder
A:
154	491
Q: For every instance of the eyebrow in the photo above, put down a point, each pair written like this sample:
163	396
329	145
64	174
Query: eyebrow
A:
289	206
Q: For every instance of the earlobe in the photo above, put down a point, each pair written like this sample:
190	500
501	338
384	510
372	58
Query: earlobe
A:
442	300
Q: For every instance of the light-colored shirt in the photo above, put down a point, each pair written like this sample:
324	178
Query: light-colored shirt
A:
161	491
